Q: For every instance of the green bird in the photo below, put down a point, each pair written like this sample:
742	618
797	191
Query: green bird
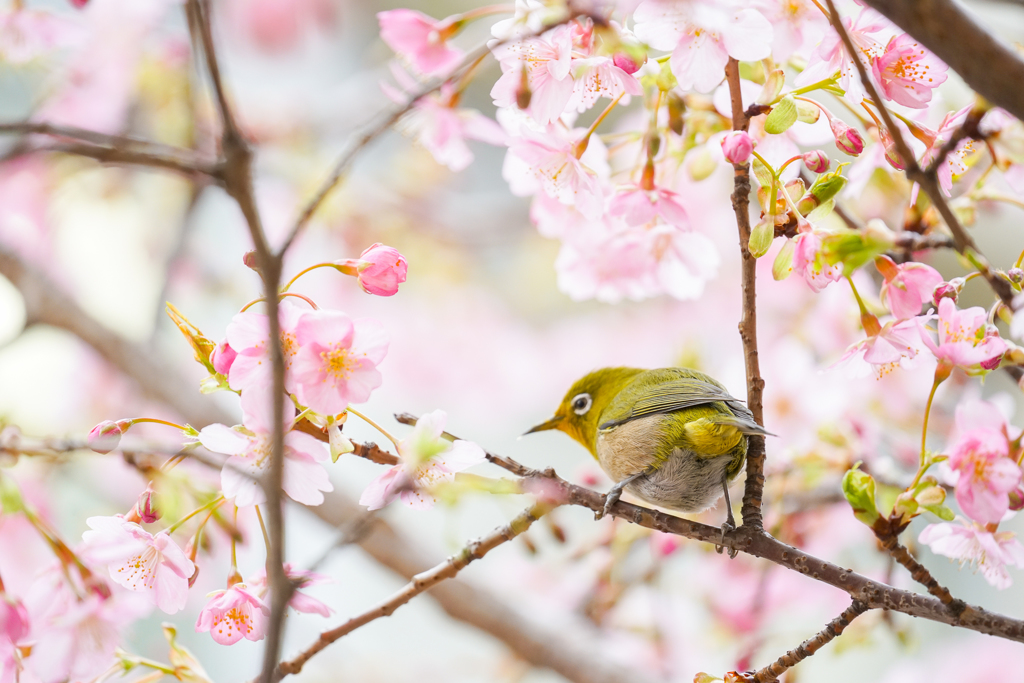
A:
673	437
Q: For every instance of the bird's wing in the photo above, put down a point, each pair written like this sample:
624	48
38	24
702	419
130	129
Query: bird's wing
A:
670	396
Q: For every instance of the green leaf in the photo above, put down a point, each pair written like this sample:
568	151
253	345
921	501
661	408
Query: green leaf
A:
783	115
761	238
764	175
821	210
783	265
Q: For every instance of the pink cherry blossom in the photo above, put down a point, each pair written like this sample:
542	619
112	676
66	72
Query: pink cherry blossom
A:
420	39
737	146
337	360
907	286
809	263
14	627
972	544
140	561
233	614
638	206
964	338
987	474
895	345
428	459
278	25
27	34
702	36
797	26
300	601
247	335
596	77
831	55
955	163
249	447
380	269
546	61
548	162
907	72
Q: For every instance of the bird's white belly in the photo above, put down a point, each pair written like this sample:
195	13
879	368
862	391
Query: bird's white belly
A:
684	482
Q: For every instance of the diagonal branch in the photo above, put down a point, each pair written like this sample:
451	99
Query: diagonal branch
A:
420	583
754	487
807	648
927	180
918	572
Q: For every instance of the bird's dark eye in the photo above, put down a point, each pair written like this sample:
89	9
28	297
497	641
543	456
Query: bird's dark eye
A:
581	404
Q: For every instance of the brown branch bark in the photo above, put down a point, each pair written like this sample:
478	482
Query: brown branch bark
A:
754	486
989	66
928	181
420	583
918	572
807	648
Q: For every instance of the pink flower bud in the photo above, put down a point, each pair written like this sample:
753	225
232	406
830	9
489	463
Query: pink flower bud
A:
816	161
1017	499
222	357
737	146
847	138
891	155
947	290
626	63
249	259
1016	275
105	436
147	513
79	4
381	270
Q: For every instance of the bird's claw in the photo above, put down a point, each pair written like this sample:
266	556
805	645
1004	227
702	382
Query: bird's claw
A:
727	528
610	499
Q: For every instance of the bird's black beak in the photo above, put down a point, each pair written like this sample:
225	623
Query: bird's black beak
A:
545	426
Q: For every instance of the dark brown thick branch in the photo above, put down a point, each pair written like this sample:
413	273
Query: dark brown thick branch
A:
918	572
988	65
420	583
927	180
754	487
807	648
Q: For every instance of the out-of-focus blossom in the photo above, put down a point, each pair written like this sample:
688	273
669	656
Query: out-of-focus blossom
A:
428	459
27	34
955	162
140	561
596	77
541	65
907	72
337	360
971	544
810	264
797	26
14	627
964	339
548	161
638	206
907	286
702	36
420	39
278	25
249	447
233	614
894	345
737	146
987	474
300	601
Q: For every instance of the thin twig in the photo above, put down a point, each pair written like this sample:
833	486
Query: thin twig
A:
928	181
807	648
913	241
754	487
421	583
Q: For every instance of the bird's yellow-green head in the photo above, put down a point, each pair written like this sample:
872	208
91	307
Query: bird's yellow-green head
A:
579	412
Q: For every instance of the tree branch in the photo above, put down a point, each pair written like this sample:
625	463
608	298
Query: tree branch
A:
918	572
928	181
420	583
754	487
990	67
807	648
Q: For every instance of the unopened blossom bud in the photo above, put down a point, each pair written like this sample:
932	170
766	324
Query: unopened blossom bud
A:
664	545
859	489
737	146
892	156
772	88
222	357
1014	355
147	512
105	436
381	269
931	495
250	260
340	444
627	63
827	186
816	161
947	290
676	109
847	138
1016	275
1017	499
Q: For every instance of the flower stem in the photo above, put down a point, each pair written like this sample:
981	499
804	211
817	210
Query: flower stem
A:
301	273
374	425
809	88
581	146
281	296
263	527
137	420
209	506
924	430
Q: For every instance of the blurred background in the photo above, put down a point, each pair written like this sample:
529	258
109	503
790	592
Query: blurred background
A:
480	330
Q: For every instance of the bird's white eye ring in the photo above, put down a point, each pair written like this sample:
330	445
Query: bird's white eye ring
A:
581	403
